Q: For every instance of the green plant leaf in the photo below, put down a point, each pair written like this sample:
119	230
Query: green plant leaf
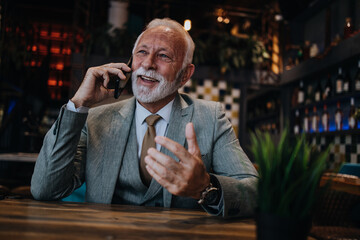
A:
290	173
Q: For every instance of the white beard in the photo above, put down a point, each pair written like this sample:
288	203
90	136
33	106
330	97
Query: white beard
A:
164	88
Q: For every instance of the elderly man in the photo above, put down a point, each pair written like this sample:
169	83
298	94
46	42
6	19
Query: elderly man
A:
196	159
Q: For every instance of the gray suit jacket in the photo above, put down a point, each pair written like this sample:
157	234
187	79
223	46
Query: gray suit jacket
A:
90	147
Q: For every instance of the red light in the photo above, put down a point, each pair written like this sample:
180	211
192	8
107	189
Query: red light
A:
34	48
55	34
55	50
51	82
43	33
59	66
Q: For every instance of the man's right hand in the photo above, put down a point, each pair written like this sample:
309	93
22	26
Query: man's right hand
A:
93	88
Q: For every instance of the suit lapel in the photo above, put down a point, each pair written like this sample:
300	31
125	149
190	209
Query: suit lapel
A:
181	114
119	130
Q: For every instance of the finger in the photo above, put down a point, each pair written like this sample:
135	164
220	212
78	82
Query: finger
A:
106	78
177	149
98	73
190	135
121	66
166	178
115	71
163	182
163	159
158	169
171	182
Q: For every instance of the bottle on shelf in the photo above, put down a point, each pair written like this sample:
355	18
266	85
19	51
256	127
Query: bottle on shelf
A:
271	105
301	93
325	119
299	56
306	121
315	120
297	123
309	94
339	82
348	28
306	50
328	88
357	78
352	120
347	85
317	95
338	117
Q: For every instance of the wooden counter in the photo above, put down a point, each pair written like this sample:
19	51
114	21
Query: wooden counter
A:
28	219
19	157
342	182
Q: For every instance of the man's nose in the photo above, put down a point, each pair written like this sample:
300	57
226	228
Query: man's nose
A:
149	62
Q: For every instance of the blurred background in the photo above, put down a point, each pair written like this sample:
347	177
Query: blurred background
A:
253	56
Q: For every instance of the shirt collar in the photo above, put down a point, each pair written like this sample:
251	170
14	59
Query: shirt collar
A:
142	113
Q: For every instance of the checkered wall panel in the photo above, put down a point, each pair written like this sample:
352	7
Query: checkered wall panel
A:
220	91
344	148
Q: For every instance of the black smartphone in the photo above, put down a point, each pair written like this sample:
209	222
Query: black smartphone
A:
120	85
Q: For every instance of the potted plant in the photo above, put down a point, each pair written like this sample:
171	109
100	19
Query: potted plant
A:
290	173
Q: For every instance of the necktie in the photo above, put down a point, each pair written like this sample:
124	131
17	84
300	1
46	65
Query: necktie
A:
148	142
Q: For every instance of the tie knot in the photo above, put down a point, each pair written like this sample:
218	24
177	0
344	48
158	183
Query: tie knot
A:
152	119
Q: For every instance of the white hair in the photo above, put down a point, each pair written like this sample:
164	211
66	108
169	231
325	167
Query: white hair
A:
177	27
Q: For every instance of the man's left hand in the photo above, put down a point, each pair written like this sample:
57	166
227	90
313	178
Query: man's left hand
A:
188	177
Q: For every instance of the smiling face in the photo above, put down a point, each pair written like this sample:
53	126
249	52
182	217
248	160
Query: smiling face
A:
157	62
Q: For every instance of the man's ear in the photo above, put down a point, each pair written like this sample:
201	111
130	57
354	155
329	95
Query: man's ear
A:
188	72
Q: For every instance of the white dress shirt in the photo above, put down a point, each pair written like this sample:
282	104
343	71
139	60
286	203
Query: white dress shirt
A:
71	107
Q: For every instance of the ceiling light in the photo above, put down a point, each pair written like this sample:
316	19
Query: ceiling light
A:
187	24
278	17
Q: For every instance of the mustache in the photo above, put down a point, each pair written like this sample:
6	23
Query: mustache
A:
148	73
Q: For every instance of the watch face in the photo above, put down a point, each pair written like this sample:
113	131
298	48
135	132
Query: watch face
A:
211	197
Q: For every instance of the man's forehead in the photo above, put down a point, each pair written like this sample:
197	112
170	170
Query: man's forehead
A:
160	29
164	33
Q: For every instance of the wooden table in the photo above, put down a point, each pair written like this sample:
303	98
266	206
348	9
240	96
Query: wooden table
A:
19	157
28	219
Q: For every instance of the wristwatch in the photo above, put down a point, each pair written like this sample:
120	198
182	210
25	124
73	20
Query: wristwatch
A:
210	196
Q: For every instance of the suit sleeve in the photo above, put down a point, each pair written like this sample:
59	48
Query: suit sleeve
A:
59	169
233	170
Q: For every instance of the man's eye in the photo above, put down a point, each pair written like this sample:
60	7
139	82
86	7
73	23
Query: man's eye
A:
141	52
163	55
